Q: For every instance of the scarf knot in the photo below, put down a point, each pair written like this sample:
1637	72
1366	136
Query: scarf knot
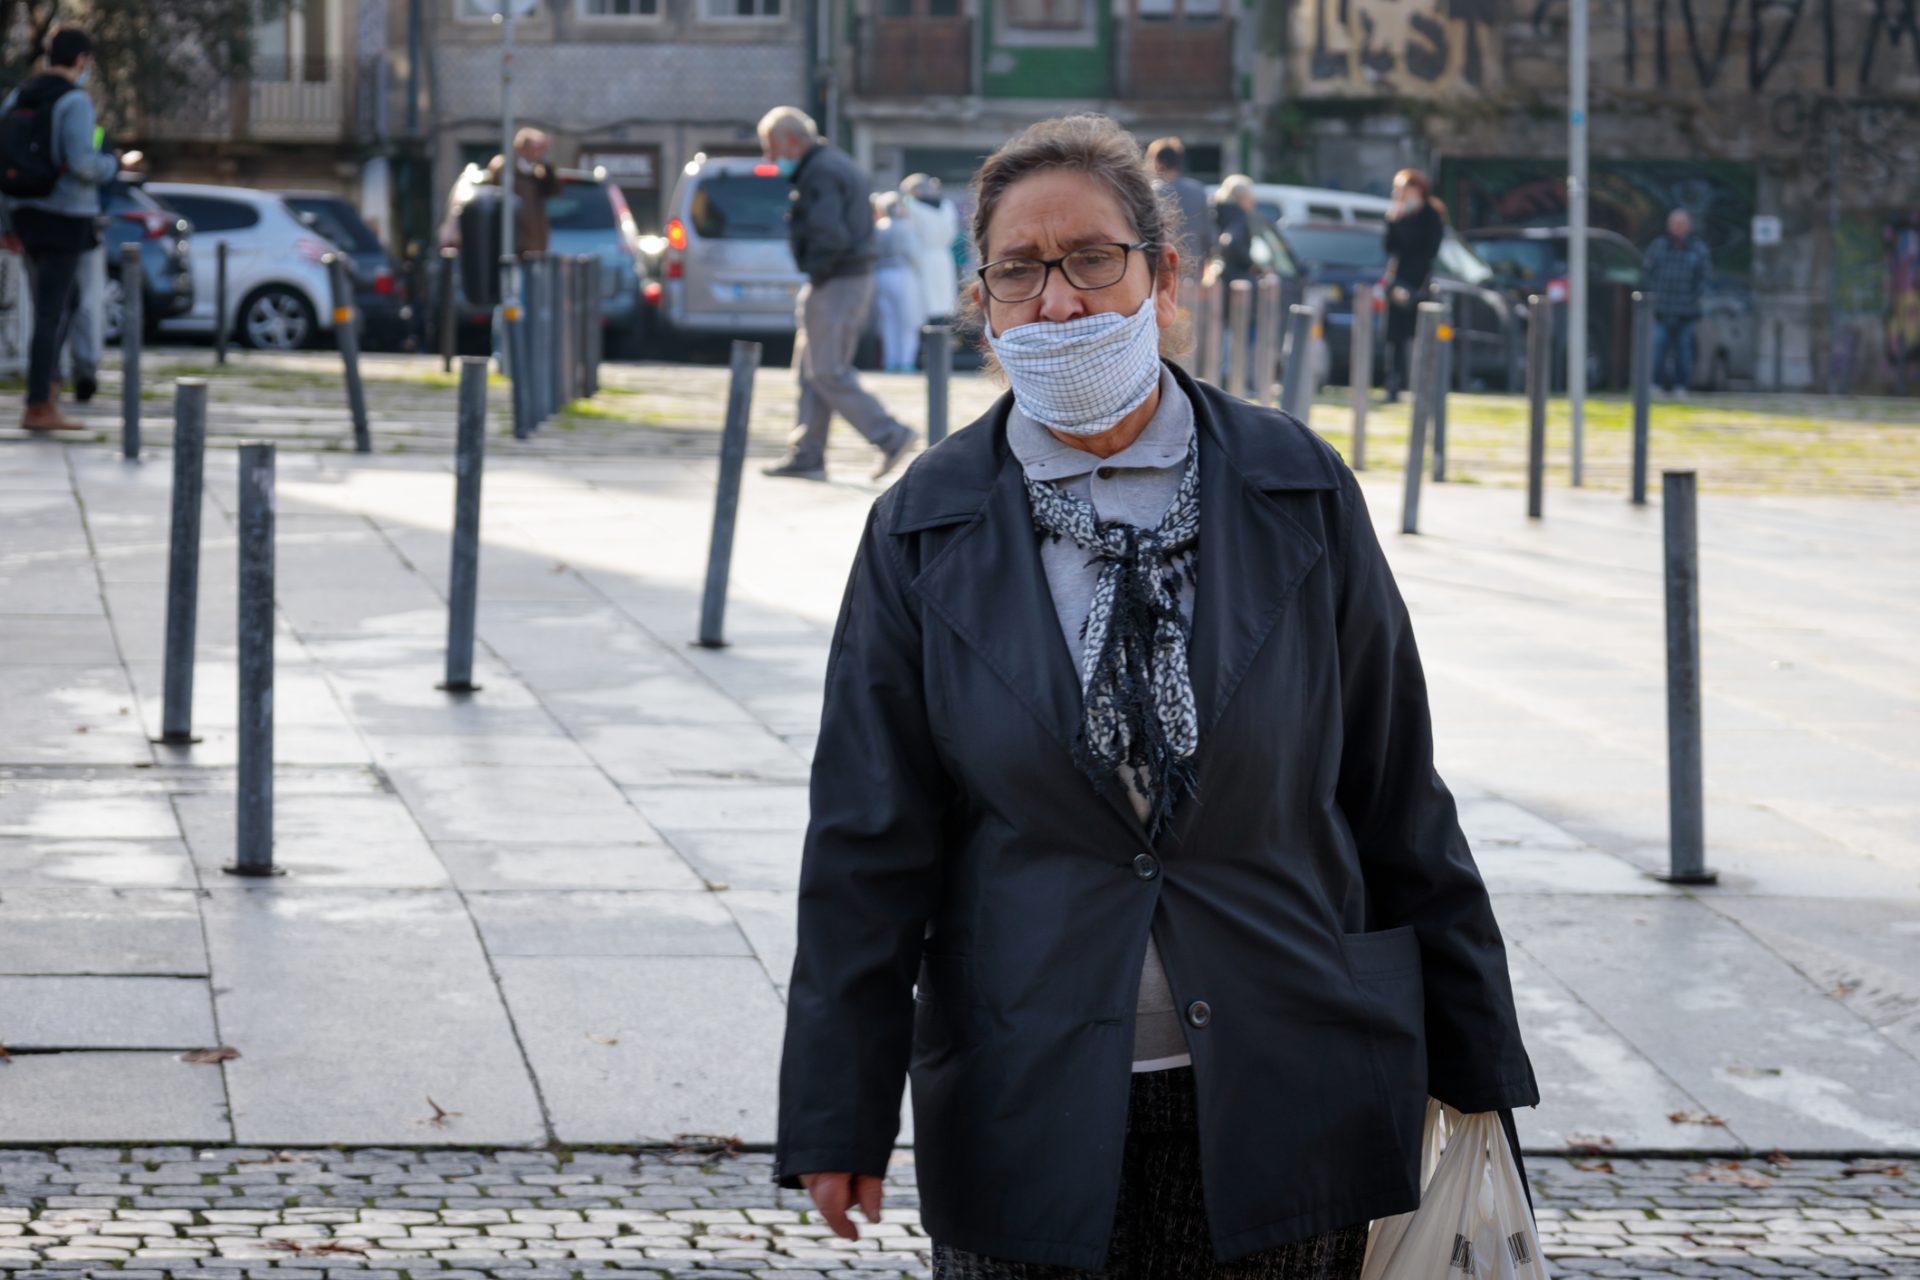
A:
1139	710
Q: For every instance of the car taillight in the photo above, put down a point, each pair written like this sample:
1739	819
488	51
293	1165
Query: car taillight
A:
766	171
312	250
653	292
383	283
153	226
1557	289
676	234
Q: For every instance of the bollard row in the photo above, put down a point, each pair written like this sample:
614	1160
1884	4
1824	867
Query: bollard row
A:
553	341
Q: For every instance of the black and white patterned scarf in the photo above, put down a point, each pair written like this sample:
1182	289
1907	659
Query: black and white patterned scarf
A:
1138	695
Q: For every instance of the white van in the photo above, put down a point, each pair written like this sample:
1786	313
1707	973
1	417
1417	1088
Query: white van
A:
1283	203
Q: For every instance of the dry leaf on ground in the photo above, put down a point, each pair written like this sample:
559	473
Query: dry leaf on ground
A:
225	1053
1694	1117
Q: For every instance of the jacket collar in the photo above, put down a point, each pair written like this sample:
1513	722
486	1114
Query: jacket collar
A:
988	585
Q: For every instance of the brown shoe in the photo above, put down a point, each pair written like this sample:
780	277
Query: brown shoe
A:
47	417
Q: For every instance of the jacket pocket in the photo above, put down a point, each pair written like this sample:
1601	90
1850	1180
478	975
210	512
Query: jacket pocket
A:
942	998
1383	954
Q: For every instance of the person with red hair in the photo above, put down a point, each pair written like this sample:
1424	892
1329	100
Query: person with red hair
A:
1416	227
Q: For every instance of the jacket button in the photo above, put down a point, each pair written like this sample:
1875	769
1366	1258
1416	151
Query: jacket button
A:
1105	473
1146	866
1199	1013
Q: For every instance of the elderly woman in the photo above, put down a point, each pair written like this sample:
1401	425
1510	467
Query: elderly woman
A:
1126	841
899	303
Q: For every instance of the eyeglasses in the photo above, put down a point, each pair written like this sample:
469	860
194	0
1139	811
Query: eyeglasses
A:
1091	266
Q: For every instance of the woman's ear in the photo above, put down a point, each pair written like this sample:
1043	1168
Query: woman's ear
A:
1166	289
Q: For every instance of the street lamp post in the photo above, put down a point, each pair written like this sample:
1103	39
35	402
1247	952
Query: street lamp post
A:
1577	235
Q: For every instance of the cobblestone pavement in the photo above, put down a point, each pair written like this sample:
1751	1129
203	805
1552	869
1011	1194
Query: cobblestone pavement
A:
386	1214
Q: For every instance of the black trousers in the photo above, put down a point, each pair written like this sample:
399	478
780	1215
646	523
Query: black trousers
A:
52	274
1160	1225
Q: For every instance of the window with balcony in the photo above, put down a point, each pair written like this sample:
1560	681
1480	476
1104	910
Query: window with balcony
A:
913	48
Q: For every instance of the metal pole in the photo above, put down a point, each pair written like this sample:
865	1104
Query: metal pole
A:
726	502
597	327
1833	261
586	306
463	587
1539	380
1426	371
540	335
222	323
936	347
1296	392
183	559
513	320
1577	231
1444	335
346	332
1211	333
1268	319
509	163
1360	370
449	263
133	331
1642	365
253	834
564	329
1687	863
1779	355
1240	327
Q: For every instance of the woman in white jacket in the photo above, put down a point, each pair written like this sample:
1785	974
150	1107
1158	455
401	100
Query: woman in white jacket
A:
899	307
936	224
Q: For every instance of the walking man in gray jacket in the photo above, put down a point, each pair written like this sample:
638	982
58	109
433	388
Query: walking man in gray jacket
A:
830	226
55	229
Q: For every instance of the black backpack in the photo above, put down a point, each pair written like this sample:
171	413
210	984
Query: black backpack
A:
27	167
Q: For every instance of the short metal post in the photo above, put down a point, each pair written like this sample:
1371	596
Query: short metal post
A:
513	346
539	280
222	323
1443	335
346	333
1240	330
1539	380
183	559
726	501
1296	392
1212	329
1426	372
936	355
1641	361
133	331
253	828
463	586
566	330
1267	319
1360	369
597	324
1687	862
449	332
1779	355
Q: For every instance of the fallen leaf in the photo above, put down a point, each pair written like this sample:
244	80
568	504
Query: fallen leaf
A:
1778	1157
603	1039
1598	1166
123	711
705	1144
1754	1073
224	1053
561	567
1733	1175
1874	1168
4	1055
440	1114
1581	1146
1694	1117
82	729
718	886
1842	990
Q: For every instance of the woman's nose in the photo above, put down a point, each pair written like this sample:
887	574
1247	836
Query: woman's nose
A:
1060	300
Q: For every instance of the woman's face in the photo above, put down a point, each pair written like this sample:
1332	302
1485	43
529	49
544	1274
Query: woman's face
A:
1407	194
1049	215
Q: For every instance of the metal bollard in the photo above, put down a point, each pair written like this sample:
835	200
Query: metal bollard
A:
449	331
1641	360
726	501
1188	304
936	354
463	586
346	333
183	560
1360	369
539	337
1240	335
1779	355
253	826
597	326
1442	383
1267	319
513	346
132	333
222	323
1212	328
1296	392
1426	373
1539	380
589	321
1686	814
565	314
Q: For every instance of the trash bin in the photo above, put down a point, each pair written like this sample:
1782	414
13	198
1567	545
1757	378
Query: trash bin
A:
480	249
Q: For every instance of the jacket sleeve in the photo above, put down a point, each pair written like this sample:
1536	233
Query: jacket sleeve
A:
868	878
1418	868
821	239
82	159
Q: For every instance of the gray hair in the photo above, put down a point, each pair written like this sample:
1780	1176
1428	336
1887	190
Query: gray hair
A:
921	185
1232	187
788	122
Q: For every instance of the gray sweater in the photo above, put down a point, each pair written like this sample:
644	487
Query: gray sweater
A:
84	167
1136	485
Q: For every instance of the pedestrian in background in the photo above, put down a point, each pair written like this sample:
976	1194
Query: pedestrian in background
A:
535	181
51	168
1416	228
1677	271
899	305
1179	905
1233	221
830	228
1168	156
936	224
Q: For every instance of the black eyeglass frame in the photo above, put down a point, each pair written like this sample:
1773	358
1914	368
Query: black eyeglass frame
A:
1049	265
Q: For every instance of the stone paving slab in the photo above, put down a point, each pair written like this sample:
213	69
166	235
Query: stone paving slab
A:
199	1213
106	1013
96	1097
98	931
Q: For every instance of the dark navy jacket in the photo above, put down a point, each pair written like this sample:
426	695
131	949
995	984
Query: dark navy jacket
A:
974	913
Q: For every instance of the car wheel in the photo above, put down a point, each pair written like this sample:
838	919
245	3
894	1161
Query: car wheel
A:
113	311
277	318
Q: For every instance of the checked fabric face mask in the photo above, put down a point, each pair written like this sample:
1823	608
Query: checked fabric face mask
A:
1080	377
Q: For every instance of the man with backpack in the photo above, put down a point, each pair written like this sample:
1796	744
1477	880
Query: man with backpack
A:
51	170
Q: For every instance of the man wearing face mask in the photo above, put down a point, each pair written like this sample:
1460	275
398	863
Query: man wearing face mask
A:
51	169
830	226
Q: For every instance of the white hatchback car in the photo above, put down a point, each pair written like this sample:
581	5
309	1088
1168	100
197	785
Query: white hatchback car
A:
278	295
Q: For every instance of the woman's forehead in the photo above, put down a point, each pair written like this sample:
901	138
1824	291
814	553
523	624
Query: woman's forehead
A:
1053	211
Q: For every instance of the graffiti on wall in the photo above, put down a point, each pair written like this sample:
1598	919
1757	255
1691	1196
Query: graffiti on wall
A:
1902	239
1375	47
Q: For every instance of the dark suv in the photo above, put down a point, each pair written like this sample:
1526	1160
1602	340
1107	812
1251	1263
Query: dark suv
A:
166	265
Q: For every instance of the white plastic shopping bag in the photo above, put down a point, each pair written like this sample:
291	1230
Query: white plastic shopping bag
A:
1473	1219
1385	1236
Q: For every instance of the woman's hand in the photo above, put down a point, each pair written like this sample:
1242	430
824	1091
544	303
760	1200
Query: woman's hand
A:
835	1193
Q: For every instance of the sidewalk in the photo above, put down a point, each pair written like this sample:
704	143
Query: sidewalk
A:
561	910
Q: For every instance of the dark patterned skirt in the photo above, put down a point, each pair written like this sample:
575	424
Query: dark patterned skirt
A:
1160	1225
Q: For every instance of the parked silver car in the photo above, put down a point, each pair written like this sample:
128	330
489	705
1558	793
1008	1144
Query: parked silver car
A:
726	270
